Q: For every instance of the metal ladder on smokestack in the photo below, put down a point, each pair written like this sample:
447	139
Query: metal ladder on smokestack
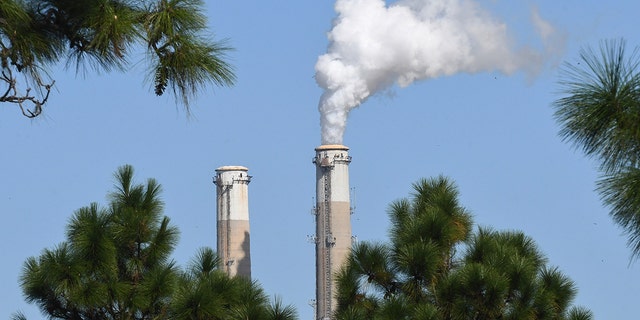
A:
328	242
225	194
227	239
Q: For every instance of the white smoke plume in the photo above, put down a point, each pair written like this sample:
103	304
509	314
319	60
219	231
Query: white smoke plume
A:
374	46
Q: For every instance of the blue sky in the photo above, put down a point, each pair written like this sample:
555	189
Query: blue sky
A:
493	134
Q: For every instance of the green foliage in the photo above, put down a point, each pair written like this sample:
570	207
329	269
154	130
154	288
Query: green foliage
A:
183	60
101	34
436	267
620	191
600	114
115	264
601	110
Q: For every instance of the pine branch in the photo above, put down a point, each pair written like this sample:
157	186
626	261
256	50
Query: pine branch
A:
23	101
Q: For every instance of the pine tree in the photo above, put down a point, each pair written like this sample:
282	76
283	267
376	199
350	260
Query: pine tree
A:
36	34
600	114
436	267
115	264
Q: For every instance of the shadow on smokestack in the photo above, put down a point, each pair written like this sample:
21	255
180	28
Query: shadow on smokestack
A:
244	264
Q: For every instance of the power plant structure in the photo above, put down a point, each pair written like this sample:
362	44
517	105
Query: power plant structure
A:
232	204
333	223
333	240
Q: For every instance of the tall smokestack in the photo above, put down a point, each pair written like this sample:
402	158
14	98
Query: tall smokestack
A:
233	220
333	223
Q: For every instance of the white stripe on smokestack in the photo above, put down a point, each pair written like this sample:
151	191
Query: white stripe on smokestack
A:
233	220
333	223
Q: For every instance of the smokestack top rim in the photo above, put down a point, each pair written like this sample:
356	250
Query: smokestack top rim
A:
232	168
325	147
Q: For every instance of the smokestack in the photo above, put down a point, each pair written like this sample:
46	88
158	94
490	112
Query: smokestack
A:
233	220
333	223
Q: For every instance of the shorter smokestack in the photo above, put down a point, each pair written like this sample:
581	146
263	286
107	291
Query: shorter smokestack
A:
233	220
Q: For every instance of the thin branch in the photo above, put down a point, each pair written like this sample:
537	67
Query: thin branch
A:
23	100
